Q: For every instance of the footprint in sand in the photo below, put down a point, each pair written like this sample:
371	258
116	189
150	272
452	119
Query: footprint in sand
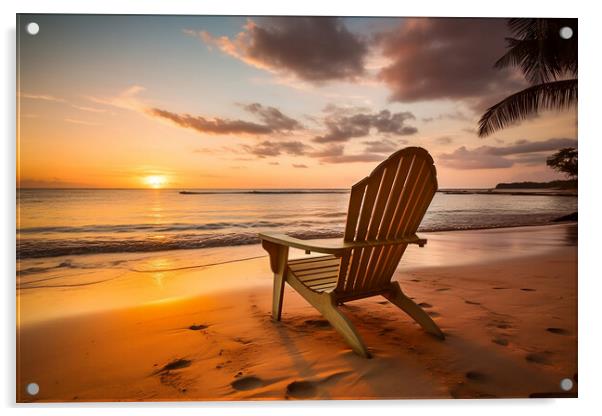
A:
305	389
476	376
317	323
503	325
196	327
527	289
433	314
174	365
171	378
500	288
500	341
537	358
442	289
425	305
384	302
247	383
301	389
415	280
470	302
559	331
386	330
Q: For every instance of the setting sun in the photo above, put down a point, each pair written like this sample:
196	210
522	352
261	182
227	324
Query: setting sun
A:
155	181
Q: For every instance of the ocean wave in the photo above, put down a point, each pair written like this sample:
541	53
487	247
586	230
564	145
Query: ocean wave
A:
35	248
173	227
39	242
269	192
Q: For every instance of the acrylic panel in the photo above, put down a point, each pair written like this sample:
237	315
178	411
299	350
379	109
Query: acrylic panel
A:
277	208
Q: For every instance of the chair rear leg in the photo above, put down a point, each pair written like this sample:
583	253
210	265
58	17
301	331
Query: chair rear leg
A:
398	298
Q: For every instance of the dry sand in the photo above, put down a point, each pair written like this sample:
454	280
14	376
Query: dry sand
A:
506	299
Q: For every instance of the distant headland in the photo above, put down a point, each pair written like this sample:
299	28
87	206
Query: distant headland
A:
560	184
553	188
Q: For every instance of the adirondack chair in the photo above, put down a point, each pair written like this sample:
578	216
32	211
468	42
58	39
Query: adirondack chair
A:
384	212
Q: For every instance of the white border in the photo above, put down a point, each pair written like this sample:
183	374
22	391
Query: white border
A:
590	139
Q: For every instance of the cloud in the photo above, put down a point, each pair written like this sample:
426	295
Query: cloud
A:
373	151
444	140
532	159
276	148
462	158
89	109
213	125
329	151
383	146
498	157
43	97
127	99
526	146
447	58
52	98
82	122
299	165
343	127
366	157
273	117
273	121
455	115
314	49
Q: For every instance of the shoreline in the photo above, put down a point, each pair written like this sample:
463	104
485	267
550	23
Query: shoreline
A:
506	299
97	282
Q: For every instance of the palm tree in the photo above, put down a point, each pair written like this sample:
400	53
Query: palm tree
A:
565	161
549	64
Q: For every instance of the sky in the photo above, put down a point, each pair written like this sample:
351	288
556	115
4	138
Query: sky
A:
267	102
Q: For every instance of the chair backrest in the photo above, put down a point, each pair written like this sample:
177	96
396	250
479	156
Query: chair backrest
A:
387	205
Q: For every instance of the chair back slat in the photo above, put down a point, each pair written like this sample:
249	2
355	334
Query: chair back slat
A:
389	204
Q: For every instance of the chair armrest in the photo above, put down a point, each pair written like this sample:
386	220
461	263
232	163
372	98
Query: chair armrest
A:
308	245
335	247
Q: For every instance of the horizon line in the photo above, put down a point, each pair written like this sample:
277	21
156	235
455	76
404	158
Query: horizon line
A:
185	189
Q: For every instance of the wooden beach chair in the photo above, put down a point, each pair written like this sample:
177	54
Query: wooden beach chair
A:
384	212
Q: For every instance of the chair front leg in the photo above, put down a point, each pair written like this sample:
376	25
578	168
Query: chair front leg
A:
278	260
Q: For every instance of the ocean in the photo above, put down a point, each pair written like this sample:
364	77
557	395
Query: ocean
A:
60	222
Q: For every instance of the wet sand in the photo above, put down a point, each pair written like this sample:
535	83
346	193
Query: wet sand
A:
172	326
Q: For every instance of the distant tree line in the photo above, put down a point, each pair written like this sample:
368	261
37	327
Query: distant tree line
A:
560	184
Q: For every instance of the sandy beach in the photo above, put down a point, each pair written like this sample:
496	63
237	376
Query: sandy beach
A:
196	325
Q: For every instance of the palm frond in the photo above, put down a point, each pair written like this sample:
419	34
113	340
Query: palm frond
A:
539	51
539	61
556	95
523	27
517	50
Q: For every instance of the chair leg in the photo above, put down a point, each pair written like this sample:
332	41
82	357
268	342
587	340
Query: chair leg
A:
398	298
277	296
326	305
278	260
343	326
